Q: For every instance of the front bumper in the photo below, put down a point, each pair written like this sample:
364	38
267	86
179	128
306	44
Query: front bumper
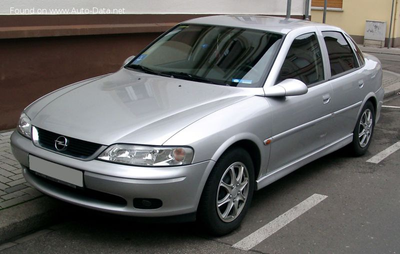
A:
113	187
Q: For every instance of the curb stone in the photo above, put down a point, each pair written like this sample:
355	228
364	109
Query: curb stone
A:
370	50
392	89
29	216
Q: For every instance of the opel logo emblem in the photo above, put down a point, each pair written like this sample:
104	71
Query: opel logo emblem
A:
61	144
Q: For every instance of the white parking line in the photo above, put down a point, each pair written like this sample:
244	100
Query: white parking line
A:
396	107
385	153
272	227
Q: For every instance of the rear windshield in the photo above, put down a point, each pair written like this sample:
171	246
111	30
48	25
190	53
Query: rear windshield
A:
211	54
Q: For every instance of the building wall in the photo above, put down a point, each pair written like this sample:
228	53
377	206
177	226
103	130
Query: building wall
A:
271	7
353	16
396	25
40	54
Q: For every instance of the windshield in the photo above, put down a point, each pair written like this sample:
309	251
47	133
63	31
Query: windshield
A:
211	54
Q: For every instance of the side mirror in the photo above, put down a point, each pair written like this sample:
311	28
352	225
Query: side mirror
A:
127	60
288	87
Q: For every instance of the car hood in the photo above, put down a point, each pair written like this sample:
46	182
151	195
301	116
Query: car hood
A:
133	107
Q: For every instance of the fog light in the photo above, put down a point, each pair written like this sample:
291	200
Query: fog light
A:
147	203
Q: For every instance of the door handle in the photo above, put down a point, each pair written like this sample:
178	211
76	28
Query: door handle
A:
326	98
361	83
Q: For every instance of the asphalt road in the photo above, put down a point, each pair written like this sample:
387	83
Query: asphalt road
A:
389	62
358	212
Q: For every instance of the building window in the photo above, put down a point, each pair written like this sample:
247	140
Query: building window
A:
331	3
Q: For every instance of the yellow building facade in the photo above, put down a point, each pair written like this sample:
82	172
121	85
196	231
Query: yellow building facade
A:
351	16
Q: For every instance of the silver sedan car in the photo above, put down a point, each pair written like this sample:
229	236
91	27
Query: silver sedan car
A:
213	110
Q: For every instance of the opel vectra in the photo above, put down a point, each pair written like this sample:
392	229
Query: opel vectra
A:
211	111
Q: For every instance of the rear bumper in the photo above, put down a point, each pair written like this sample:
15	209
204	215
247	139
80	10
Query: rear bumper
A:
380	94
178	188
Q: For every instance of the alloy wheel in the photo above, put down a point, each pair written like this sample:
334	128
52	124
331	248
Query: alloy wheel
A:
233	191
365	128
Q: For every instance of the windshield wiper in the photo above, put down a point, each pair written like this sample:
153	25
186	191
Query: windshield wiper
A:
192	77
146	70
181	75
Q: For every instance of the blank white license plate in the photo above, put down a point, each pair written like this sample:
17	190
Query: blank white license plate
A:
56	171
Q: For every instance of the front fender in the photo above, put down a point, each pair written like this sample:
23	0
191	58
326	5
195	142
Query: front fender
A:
235	139
247	120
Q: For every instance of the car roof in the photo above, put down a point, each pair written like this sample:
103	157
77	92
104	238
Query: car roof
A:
265	23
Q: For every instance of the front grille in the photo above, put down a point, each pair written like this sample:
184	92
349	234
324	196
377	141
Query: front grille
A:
76	148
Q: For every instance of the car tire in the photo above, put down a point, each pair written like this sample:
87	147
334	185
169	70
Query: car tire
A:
231	184
363	131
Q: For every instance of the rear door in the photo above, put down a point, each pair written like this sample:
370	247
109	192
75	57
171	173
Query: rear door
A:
348	81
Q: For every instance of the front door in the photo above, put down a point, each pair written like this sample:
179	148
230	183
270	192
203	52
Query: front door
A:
301	124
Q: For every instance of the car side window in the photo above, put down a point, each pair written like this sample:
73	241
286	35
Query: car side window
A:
360	56
341	57
303	61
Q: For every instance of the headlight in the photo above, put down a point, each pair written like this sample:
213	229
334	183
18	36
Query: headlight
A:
24	126
148	156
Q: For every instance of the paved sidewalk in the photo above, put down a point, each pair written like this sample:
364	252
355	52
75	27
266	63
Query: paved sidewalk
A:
22	208
391	83
391	51
13	188
18	216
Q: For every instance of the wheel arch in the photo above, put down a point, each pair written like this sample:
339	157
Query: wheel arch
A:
369	98
208	212
359	147
374	102
253	151
250	143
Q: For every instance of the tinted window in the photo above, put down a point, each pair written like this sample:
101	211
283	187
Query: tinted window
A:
212	54
356	49
303	61
341	57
